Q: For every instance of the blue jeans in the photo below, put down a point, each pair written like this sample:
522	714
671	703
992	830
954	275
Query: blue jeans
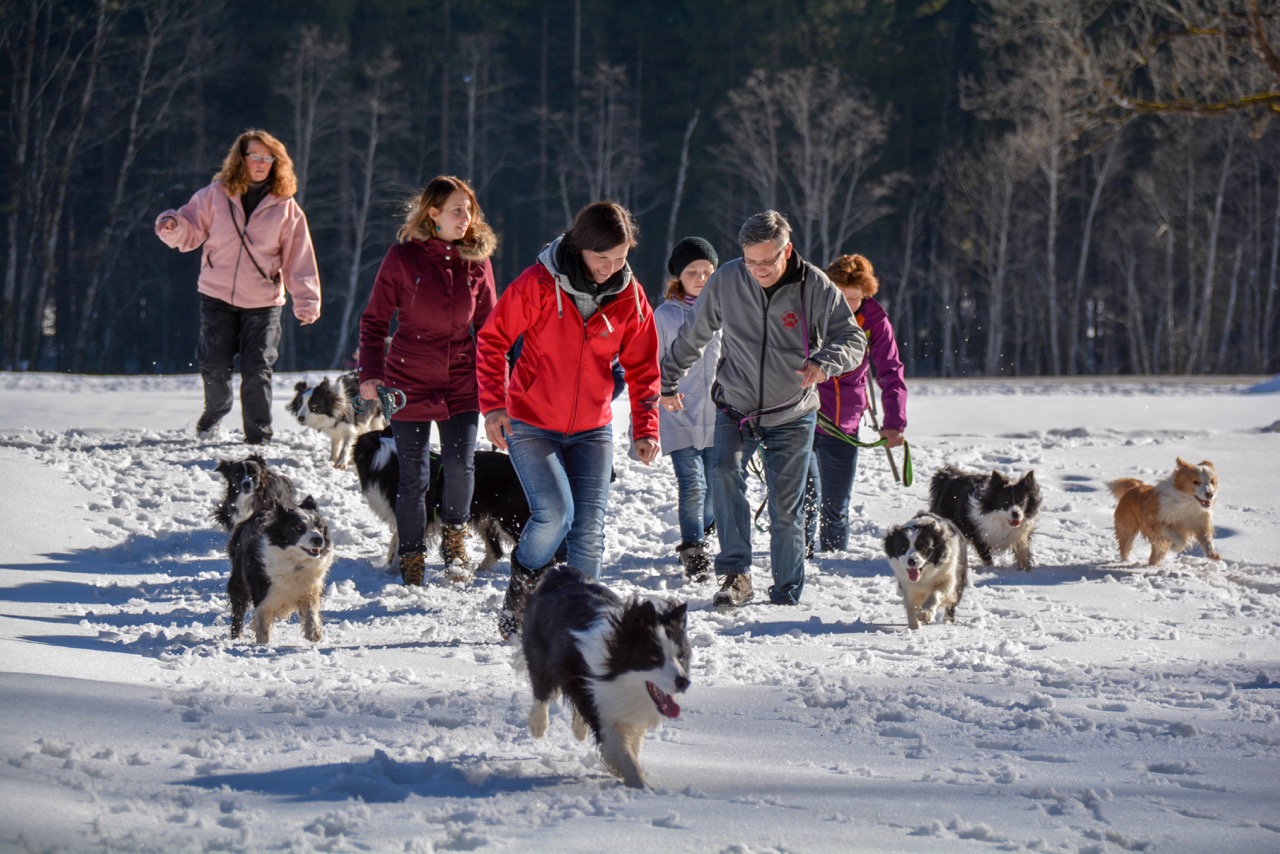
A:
458	466
696	506
566	479
831	474
786	466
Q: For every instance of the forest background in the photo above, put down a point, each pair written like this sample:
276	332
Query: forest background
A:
1046	187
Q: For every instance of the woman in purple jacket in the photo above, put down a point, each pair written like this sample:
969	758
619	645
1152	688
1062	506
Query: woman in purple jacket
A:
844	399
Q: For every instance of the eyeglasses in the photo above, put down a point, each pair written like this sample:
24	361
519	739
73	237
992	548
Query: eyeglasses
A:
764	265
260	158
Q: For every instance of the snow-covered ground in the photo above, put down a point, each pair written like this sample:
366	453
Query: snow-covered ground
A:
1086	706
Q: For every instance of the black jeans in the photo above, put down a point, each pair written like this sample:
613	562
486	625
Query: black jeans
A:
457	471
253	334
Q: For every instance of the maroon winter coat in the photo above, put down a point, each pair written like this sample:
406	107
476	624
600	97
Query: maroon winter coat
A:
442	294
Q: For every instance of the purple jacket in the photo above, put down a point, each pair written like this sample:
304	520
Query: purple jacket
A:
843	398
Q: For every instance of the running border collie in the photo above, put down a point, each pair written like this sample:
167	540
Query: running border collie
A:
499	509
331	408
279	559
930	559
1169	515
251	485
995	513
618	662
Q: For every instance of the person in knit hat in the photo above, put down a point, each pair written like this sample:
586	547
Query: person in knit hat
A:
686	435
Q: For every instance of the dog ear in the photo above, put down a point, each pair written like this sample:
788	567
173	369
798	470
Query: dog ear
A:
300	385
308	503
223	466
1029	478
256	458
997	479
1183	464
676	613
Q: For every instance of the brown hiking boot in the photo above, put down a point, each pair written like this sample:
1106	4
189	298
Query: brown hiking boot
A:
412	569
511	617
693	557
735	589
453	550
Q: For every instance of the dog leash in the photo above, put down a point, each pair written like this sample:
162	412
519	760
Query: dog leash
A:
392	400
908	471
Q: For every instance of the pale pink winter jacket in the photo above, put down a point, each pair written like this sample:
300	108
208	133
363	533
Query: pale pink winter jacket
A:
277	236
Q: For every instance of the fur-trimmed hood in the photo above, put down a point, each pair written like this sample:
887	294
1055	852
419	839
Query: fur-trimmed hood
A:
481	248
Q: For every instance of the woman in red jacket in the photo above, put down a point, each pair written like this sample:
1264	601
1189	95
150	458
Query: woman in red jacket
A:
438	283
578	308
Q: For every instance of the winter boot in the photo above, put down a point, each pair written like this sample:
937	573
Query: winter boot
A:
511	617
412	568
693	557
735	589
207	427
453	550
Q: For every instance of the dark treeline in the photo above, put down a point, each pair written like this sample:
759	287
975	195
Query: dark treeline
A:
1044	186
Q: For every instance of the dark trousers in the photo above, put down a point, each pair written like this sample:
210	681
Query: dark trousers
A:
458	471
254	335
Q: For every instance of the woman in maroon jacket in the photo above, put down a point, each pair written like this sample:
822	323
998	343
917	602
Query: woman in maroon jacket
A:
438	283
577	309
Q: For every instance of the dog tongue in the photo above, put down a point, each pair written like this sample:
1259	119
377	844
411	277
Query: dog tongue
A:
913	574
664	701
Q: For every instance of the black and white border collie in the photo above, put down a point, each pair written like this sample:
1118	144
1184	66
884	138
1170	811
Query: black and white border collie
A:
279	559
499	509
331	409
618	662
995	514
250	486
931	562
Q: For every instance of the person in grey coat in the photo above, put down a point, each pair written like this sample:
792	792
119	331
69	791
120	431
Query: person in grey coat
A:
785	328
687	435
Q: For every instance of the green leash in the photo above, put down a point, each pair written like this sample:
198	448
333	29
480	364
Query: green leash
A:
908	472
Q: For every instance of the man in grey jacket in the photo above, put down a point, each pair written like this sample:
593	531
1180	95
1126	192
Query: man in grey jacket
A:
786	328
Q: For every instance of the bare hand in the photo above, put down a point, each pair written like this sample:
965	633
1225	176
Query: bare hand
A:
369	389
497	424
671	402
892	438
306	316
811	374
646	449
168	224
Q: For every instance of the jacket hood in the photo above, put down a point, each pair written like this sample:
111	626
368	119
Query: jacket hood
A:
481	249
547	258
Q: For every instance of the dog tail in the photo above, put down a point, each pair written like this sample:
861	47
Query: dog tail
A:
1121	486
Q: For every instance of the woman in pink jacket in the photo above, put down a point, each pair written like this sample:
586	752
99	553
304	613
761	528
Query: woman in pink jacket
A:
437	283
256	247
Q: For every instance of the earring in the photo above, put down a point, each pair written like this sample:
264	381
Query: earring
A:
437	228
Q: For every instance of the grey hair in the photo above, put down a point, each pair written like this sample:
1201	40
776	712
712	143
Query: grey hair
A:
766	227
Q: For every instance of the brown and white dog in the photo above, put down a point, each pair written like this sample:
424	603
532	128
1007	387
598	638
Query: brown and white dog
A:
1170	514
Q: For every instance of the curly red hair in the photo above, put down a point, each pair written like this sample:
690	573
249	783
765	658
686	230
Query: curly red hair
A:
235	173
854	271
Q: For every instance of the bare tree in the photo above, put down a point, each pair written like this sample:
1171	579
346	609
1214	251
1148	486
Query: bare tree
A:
373	125
681	174
309	75
165	63
806	140
604	161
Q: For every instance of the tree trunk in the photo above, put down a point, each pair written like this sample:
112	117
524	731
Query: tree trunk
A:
678	195
1202	309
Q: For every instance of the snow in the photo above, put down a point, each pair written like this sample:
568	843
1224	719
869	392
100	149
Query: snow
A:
1086	706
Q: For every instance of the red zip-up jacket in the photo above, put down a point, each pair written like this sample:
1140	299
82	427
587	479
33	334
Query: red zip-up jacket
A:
563	379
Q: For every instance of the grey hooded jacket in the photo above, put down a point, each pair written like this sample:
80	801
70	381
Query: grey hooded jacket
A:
766	339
